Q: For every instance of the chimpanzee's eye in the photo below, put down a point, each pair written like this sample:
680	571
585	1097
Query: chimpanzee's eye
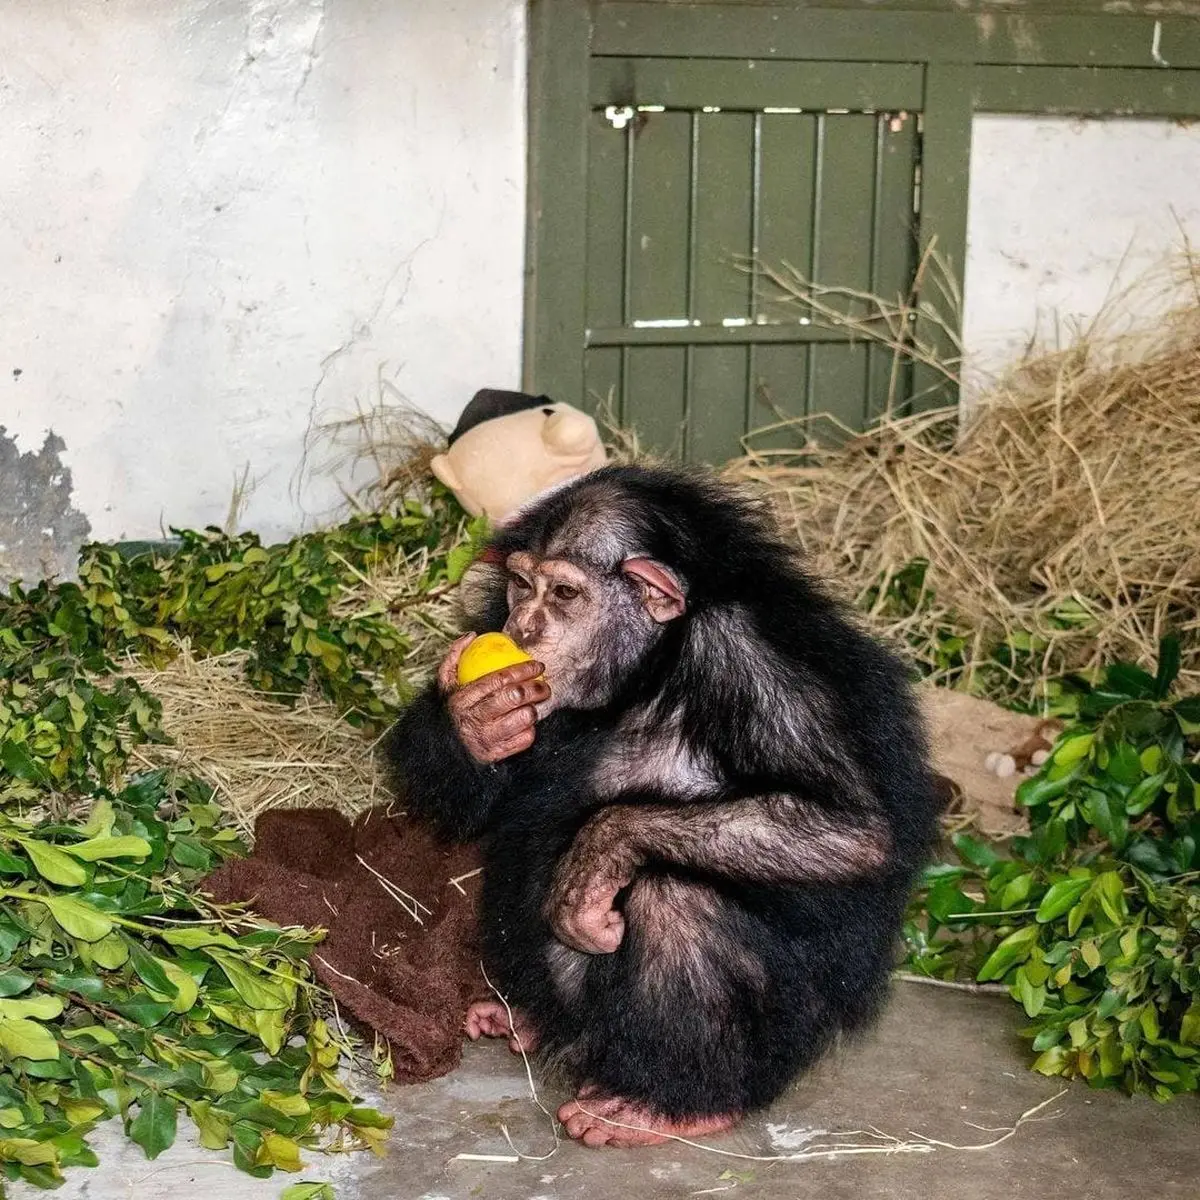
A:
564	591
521	583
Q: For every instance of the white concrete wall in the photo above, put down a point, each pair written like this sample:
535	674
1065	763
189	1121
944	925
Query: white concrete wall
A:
1063	215
220	218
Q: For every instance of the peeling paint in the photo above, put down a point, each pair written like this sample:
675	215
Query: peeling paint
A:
40	530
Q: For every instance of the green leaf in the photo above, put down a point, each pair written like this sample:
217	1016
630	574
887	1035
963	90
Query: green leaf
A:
145	1013
151	973
188	852
83	1111
197	937
44	1007
1168	666
111	952
1012	950
1124	765
22	1038
1060	897
220	1076
28	1152
154	1127
1052	1062
1146	792
104	1036
1131	681
254	988
213	1126
280	1152
1041	789
77	918
100	820
1111	890
1187	712
11	865
98	848
1189	1027
1073	749
270	1024
291	1104
53	865
20	764
977	853
14	982
308	1191
187	991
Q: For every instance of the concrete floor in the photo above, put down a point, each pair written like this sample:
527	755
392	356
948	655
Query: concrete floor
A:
941	1062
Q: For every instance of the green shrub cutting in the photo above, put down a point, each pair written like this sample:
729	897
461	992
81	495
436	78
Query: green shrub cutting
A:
123	993
1092	920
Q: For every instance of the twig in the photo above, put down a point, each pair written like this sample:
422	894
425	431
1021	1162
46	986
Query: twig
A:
978	989
457	880
512	1026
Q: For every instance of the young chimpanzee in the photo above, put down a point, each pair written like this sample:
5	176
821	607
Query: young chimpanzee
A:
700	827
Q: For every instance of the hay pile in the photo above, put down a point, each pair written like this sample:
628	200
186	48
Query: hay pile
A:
1059	523
257	752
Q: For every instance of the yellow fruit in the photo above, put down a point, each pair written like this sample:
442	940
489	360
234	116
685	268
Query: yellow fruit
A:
488	653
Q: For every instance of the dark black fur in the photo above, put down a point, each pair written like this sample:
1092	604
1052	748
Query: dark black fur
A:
824	950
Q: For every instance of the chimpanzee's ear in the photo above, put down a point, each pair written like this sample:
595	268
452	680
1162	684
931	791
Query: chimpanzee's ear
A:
663	595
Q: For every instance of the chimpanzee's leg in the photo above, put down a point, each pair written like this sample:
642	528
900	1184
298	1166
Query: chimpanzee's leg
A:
680	1021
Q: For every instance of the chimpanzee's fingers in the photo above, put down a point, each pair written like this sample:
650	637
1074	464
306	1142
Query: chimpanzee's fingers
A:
502	691
448	671
513	745
511	724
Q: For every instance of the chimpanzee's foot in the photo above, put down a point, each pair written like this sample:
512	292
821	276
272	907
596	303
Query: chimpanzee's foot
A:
601	1121
489	1018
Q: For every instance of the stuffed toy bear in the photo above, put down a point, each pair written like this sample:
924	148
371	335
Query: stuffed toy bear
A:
510	447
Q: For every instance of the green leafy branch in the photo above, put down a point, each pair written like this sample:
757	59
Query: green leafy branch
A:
1092	920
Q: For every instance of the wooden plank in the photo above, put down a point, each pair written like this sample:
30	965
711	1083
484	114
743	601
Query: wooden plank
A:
653	405
729	31
717	421
602	382
787	188
846	202
605	223
658	230
774	32
753	85
724	216
556	221
837	382
715	335
894	244
945	168
779	395
1087	91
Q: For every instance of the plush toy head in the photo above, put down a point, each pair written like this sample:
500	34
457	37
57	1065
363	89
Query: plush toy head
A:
509	447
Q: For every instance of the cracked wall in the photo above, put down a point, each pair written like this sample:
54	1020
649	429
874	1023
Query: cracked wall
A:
40	529
222	220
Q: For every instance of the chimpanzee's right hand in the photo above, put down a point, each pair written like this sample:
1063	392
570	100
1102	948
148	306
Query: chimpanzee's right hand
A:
494	716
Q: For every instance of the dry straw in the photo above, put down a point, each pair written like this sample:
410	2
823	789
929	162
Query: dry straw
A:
256	752
1066	505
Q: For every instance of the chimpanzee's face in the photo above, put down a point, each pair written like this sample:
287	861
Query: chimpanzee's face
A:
590	628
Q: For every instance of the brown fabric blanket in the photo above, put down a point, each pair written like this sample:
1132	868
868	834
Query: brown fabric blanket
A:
409	978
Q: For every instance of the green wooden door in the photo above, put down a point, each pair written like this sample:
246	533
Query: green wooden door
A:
720	166
670	141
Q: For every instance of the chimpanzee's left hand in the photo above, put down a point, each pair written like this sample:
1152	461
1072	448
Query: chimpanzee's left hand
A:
599	864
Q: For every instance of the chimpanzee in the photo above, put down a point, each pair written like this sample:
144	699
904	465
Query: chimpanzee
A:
701	807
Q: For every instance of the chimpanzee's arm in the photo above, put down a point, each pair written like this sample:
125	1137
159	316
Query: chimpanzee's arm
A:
434	775
773	839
